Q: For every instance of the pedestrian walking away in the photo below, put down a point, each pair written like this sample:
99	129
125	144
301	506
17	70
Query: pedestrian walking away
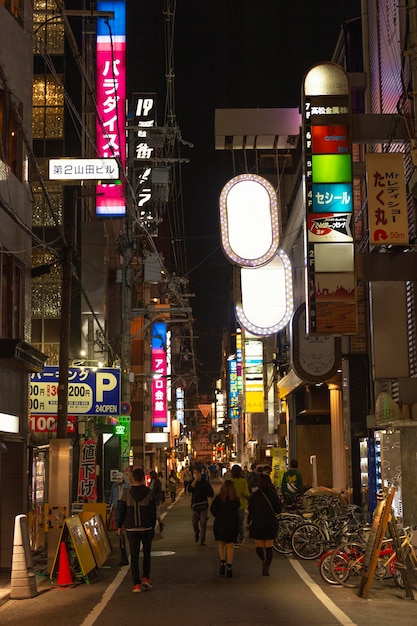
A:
163	485
200	490
225	510
242	491
187	478
156	487
137	515
263	507
172	485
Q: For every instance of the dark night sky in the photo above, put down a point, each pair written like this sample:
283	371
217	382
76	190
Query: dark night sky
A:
228	54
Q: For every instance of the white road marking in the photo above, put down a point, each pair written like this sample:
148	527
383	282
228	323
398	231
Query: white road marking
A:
107	596
320	595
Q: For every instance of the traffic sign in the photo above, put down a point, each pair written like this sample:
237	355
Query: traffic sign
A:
214	437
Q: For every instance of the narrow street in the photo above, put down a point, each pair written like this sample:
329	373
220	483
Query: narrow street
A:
187	590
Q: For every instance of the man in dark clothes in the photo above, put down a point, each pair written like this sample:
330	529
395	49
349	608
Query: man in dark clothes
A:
138	515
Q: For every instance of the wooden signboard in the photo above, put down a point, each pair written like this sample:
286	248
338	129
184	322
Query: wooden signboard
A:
373	547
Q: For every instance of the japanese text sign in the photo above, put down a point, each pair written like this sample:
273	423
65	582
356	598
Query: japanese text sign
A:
87	478
111	97
159	369
89	392
387	199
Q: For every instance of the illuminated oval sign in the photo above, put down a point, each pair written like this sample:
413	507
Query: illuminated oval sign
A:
264	302
249	223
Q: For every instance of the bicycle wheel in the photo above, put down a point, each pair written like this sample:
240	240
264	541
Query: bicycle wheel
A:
325	568
347	562
308	541
286	526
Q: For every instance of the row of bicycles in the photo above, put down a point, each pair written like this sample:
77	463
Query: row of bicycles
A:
324	528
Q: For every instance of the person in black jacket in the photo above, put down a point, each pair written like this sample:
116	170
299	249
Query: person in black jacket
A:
138	516
225	510
263	507
200	490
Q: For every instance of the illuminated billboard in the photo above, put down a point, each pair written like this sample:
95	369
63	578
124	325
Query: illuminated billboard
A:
254	376
264	299
249	225
159	372
387	199
331	307
111	98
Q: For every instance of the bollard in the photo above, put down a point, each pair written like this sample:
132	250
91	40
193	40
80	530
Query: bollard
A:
23	579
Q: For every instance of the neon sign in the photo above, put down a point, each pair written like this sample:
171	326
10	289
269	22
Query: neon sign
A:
111	96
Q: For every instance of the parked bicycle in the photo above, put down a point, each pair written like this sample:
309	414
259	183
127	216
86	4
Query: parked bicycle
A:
345	565
311	539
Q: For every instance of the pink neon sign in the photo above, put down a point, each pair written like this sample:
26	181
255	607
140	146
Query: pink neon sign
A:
110	126
159	387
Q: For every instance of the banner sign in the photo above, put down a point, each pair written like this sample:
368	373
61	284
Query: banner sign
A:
387	199
233	389
87	477
90	392
47	423
159	370
83	169
254	376
111	101
331	281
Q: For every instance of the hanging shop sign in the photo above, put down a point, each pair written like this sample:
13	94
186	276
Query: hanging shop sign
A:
83	169
249	220
90	392
254	376
387	199
48	423
234	409
315	358
87	477
159	370
331	280
111	106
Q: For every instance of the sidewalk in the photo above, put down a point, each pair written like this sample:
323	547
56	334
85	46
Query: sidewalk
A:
42	579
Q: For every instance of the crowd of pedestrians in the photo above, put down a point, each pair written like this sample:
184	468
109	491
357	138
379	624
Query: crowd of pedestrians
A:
242	492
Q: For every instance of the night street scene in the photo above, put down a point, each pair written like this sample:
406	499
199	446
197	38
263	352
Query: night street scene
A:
208	329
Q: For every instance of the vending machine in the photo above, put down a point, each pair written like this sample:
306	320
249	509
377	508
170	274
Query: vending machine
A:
380	467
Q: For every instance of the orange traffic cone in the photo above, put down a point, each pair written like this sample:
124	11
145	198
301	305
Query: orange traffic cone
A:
64	571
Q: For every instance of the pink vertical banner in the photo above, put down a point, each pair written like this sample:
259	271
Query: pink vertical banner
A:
111	102
159	370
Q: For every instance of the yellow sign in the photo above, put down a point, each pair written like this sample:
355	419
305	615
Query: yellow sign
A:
79	541
254	402
387	199
97	537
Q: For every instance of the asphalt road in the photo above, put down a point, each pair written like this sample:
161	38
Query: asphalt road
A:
187	591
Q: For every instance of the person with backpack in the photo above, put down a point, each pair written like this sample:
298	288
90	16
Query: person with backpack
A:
292	481
137	515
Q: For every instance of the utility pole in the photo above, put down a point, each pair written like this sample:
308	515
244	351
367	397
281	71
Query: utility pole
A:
62	413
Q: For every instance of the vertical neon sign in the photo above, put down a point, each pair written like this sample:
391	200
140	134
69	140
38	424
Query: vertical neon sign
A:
159	369
330	271
111	97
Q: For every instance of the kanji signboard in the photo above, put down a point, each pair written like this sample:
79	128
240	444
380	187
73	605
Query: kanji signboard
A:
387	199
87	478
331	297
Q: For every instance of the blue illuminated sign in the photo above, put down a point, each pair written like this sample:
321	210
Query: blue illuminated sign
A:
90	391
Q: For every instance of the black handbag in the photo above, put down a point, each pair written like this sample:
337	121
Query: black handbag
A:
123	552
